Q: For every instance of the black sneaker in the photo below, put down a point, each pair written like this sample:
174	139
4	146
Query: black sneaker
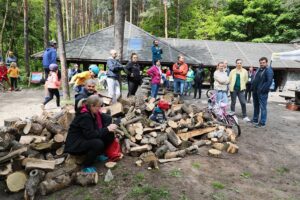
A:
260	126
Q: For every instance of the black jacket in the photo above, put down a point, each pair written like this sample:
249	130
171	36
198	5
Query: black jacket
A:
135	70
83	94
84	127
199	75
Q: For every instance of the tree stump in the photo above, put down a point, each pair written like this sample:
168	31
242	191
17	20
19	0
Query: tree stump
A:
16	181
31	186
85	179
214	153
232	148
52	185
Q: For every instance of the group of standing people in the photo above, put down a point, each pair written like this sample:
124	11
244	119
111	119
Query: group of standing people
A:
241	83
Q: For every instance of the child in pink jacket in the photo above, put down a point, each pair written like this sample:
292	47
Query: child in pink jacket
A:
53	84
155	73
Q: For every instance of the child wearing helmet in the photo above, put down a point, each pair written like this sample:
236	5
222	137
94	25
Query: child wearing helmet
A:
53	84
158	114
79	79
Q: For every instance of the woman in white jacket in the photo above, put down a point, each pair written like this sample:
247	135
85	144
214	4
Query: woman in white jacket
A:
221	82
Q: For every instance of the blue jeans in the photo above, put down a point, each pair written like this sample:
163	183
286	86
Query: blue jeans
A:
260	106
178	84
188	86
154	90
222	96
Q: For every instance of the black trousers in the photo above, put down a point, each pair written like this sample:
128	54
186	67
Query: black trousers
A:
47	71
197	88
53	92
14	82
248	92
132	88
94	147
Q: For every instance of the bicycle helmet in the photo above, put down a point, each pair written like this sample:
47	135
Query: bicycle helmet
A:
53	67
163	104
94	69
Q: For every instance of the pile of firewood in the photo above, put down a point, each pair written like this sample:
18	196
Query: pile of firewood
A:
32	150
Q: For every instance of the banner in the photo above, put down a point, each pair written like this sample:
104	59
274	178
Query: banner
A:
290	55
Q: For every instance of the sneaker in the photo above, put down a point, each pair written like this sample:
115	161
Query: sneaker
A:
89	170
260	125
246	119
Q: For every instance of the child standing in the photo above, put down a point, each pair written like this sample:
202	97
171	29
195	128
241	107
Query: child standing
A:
52	83
14	73
189	81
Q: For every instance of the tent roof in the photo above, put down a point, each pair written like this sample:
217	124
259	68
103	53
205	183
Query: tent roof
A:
95	47
249	52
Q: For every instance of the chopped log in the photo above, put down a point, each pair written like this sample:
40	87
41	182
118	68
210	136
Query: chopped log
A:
11	121
231	135
110	165
142	148
214	153
175	154
35	177
152	141
214	140
36	129
33	163
150	158
46	134
153	134
5	169
127	134
184	130
66	119
116	109
60	150
187	109
52	185
20	125
170	146
59	161
172	137
139	130
176	108
136	119
139	163
16	181
10	130
27	139
138	137
15	145
84	179
131	129
49	156
218	146
200	143
17	163
148	130
161	138
160	152
44	146
150	106
75	159
194	133
53	128
13	154
5	141
172	124
27	127
168	160
232	148
65	169
145	140
59	138
176	117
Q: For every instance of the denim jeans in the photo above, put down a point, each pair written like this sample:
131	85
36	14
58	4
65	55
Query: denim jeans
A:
178	84
260	106
242	99
154	90
222	96
188	87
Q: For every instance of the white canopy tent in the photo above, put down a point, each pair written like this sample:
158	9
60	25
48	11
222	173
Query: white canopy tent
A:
290	55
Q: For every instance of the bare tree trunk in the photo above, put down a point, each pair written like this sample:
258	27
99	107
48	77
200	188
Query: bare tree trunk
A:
177	19
3	27
166	19
119	26
72	19
130	12
62	53
46	22
82	19
26	38
67	19
86	21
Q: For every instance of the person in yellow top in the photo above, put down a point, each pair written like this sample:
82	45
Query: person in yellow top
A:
79	79
14	74
238	78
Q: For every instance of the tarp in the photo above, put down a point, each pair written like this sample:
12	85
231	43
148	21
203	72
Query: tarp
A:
290	55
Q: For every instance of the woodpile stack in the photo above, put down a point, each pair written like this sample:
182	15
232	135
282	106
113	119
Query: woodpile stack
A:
32	154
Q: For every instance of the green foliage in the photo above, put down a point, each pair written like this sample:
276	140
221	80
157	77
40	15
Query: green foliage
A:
246	175
149	192
218	185
282	170
176	173
196	165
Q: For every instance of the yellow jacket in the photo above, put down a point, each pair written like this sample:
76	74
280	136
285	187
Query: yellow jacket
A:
80	78
13	72
232	78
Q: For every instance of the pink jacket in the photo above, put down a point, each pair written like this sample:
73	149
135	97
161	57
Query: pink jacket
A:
155	75
52	81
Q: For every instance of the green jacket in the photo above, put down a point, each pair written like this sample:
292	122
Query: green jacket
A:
190	76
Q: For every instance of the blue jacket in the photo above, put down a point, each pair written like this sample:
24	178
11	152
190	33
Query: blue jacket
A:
262	80
156	53
49	57
114	68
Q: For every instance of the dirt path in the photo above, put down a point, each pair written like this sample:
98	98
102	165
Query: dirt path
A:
266	167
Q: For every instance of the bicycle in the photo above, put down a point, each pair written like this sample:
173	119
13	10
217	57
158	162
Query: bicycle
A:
218	110
210	92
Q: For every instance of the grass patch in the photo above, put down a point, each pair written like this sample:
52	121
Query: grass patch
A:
149	192
79	191
218	196
282	170
246	175
183	197
176	173
218	185
196	165
88	197
139	177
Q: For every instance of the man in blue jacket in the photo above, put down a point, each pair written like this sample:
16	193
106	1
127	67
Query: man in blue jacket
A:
113	75
260	87
49	57
156	52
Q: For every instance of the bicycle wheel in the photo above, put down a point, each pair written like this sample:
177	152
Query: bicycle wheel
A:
232	123
209	93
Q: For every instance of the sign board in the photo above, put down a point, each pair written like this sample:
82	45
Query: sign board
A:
35	77
135	44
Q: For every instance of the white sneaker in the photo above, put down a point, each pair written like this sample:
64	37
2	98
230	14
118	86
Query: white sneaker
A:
246	119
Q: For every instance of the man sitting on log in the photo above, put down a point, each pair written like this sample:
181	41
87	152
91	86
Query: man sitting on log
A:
88	90
90	133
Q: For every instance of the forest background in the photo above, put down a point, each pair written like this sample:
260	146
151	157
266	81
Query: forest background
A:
275	21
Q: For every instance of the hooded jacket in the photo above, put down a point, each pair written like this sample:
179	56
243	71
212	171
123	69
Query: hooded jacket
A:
85	127
155	74
133	71
49	57
114	68
180	70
